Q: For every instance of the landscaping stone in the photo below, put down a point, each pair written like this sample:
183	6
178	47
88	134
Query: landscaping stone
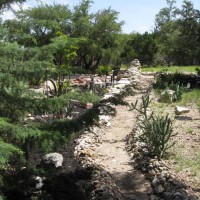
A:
167	95
39	183
104	119
52	160
181	110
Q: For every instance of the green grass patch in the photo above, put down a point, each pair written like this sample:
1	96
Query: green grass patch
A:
172	69
192	164
189	97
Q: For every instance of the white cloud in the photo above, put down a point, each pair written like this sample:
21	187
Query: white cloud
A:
14	7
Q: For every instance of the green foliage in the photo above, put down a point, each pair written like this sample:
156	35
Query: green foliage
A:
177	33
143	107
8	152
197	69
156	130
178	91
98	33
171	69
69	127
1	197
6	4
27	138
156	133
103	70
142	46
87	97
165	79
192	96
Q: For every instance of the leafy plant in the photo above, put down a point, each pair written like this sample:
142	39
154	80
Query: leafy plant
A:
156	130
178	91
182	79
197	69
7	151
103	70
172	92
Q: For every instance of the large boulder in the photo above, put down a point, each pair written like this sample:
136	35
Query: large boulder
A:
52	160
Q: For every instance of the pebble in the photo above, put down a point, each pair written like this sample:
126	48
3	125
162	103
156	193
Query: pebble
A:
159	189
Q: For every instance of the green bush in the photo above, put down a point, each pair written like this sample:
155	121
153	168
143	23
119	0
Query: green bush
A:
156	134
7	152
178	91
182	79
197	69
177	95
103	70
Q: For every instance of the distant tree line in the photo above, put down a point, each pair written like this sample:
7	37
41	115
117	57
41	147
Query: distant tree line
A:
98	38
174	41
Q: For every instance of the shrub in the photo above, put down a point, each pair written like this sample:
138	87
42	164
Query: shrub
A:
163	79
178	91
156	130
103	70
197	69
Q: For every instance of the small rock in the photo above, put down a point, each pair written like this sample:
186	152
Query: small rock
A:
154	182
39	183
153	197
167	195
52	160
159	189
104	119
108	124
181	110
31	118
89	106
179	195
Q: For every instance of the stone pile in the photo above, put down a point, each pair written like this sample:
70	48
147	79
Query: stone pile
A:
134	73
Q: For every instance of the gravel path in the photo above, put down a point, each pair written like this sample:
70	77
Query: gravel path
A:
112	155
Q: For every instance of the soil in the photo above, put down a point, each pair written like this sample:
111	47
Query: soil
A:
185	154
112	154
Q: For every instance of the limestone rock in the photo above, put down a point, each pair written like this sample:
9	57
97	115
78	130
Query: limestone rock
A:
89	106
135	63
52	160
181	110
39	183
104	119
167	95
160	189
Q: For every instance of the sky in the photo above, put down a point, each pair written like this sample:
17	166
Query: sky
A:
138	15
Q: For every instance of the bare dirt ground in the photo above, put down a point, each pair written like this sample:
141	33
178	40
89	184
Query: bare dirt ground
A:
112	155
185	154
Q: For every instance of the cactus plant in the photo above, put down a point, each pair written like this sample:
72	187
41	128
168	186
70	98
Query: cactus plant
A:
156	130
